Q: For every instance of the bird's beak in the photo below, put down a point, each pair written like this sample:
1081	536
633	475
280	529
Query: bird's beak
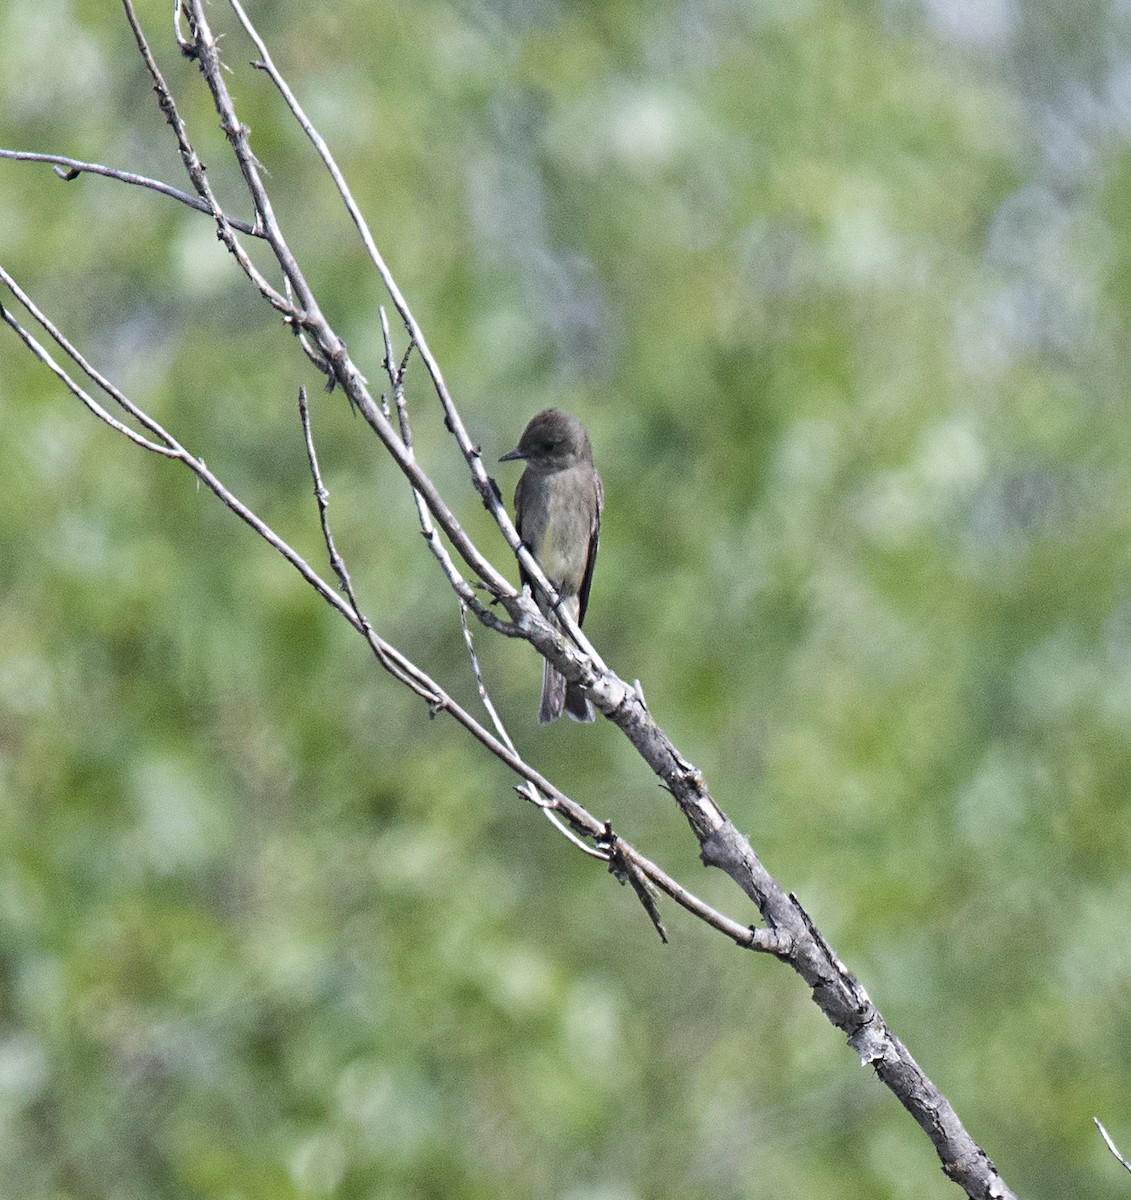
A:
512	455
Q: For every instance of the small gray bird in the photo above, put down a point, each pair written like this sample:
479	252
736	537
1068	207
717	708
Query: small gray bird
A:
557	510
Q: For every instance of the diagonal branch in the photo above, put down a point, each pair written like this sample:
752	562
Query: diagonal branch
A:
1110	1144
463	590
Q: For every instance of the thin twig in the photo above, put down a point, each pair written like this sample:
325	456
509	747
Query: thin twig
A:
71	168
463	590
170	448
322	496
307	346
528	791
414	679
1110	1144
195	170
770	941
45	357
624	870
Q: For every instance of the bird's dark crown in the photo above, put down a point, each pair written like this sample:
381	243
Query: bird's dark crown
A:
553	439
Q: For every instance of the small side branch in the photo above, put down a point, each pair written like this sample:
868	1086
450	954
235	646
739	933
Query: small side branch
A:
463	590
194	168
71	168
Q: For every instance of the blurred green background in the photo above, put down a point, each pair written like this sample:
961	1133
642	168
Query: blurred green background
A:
841	291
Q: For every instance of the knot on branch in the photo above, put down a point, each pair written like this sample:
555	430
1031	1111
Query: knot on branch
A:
870	1041
777	942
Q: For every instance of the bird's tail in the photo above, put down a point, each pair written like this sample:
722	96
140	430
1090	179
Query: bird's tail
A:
558	696
553	695
577	704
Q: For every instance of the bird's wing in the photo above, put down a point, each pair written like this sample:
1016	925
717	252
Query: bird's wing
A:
518	507
594	536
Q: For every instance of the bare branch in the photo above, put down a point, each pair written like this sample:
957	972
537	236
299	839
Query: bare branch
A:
1110	1144
463	590
71	168
195	170
169	448
322	497
76	389
414	678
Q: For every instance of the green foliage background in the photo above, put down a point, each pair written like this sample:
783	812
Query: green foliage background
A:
841	291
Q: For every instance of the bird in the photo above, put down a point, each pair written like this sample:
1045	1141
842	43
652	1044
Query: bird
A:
557	509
